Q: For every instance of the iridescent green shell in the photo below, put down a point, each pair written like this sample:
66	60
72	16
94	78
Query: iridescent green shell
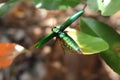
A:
69	42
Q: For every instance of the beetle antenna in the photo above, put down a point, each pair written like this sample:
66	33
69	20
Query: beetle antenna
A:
84	7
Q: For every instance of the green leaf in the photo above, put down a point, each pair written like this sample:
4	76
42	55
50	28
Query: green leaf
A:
93	4
107	7
6	6
48	4
96	28
58	4
86	42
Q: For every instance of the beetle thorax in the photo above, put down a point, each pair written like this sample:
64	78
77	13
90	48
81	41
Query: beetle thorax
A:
56	30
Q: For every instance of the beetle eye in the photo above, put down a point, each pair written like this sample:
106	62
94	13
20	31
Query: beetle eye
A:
54	29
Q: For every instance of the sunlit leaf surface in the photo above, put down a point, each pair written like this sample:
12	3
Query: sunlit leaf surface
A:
88	44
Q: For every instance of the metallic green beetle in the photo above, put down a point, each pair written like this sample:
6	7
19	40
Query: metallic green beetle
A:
67	39
59	32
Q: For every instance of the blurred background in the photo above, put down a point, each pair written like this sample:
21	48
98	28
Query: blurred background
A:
24	24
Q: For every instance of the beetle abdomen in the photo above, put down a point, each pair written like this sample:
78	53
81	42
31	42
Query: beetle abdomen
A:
69	41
